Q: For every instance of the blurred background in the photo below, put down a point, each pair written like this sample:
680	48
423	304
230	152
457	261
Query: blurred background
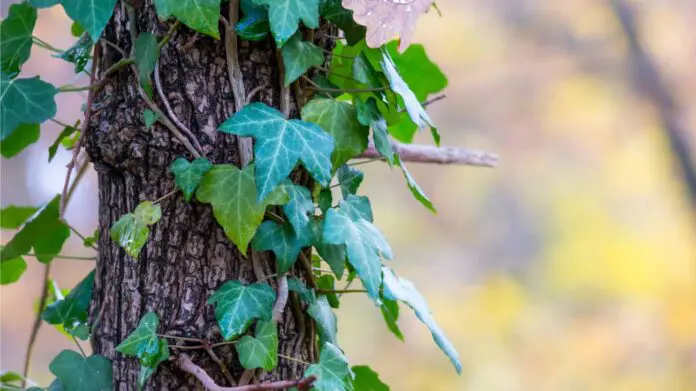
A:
571	266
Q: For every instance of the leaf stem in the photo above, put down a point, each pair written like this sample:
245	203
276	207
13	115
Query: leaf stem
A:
82	351
366	161
341	291
168	35
37	322
164	197
294	359
275	217
76	232
60	256
69	88
190	339
348	90
61	123
43	44
218	344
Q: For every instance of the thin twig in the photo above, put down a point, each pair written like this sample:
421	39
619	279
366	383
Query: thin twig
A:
307	267
168	35
37	322
41	43
294	359
341	291
255	91
348	90
189	339
75	257
164	197
438	155
82	351
79	235
223	367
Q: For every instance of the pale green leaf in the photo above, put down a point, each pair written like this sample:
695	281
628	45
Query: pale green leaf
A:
29	100
71	312
357	207
260	351
132	229
331	371
282	240
340	120
200	15
325	319
13	216
11	270
147	53
397	288
23	136
299	56
415	189
280	144
285	16
232	193
93	15
188	175
349	179
300	206
237	305
16	37
367	380
78	373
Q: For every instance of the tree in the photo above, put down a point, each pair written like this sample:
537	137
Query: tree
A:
217	139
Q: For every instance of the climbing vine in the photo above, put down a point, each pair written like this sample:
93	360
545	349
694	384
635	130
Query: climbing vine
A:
354	102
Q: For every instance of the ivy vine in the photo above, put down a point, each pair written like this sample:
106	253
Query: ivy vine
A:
370	93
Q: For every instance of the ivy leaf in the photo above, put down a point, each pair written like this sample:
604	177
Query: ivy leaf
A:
79	53
11	270
16	37
327	282
71	312
29	100
23	136
357	207
333	11
299	56
331	371
415	189
412	65
254	25
397	288
285	16
349	178
387	19
90	241
237	305
45	233
147	53
13	217
299	208
340	120
282	240
322	314
78	373
64	134
262	351
280	144
334	255
161	356
143	342
390	313
187	175
200	15
232	193
305	294
150	117
368	114
325	199
43	3
364	245
132	229
92	15
367	380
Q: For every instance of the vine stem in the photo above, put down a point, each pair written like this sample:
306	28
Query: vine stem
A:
341	291
294	359
185	364
43	44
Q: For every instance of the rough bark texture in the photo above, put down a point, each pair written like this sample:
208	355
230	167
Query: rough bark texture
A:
188	255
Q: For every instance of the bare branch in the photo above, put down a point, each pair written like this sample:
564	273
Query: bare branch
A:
282	299
439	155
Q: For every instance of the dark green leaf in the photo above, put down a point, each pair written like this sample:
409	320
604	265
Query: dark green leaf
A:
331	371
412	65
390	312
349	179
285	16
299	56
150	117
280	144
188	175
77	373
29	100
340	120
79	53
334	12
45	233
92	15
11	270
368	114
147	53
17	141
334	255
254	25
282	240
306	294
325	199
327	282
232	193
75	29
143	342
200	15
132	229
415	189
325	319
16	37
367	380
397	288
66	133
72	311
261	351
237	305
299	208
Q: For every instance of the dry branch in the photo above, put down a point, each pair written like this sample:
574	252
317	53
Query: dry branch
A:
439	155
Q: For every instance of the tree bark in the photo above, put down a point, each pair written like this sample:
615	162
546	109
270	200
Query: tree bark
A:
187	256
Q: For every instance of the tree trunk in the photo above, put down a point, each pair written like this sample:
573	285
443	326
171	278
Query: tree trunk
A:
187	256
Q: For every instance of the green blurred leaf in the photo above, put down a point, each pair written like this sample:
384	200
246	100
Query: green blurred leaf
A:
325	199
327	282
132	229
13	216
331	371
72	311
325	319
369	114
334	255
16	37
188	175
75	29
79	53
29	100
147	370
307	295
91	240
237	305
260	351
367	380
77	373
65	134
415	189
147	53
390	313
17	141
285	16
349	179
200	15
299	56
92	15
11	270
43	3
334	12
150	117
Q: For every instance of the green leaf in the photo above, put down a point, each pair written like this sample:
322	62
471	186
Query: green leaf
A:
23	136
237	305
29	100
340	120
390	313
200	15
367	380
150	117
64	134
72	311
282	240
45	233
357	207
299	208
11	270
78	373
325	199
75	29
364	244
285	16
412	65
262	351
10	377
161	356
305	294
327	282
187	175
232	193
43	3
13	217
280	144
368	114
299	56
253	25
93	15
334	255
349	179
91	240
132	229
331	371
79	53
397	288
325	319
415	189
143	342
16	37
147	53
333	11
